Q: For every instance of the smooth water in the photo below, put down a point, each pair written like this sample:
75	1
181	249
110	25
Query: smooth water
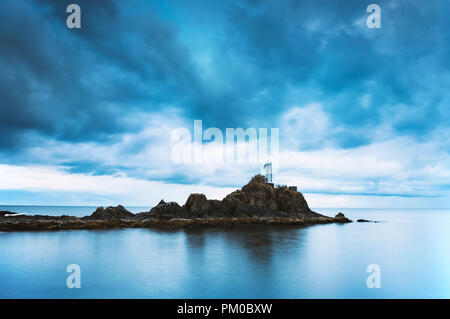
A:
324	261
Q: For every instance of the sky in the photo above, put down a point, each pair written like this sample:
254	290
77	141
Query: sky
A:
86	115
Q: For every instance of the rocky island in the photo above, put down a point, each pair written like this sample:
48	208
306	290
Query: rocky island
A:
257	202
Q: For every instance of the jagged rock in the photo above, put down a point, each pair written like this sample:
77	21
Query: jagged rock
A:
257	202
197	206
293	202
257	199
218	209
261	194
118	212
340	218
261	199
164	211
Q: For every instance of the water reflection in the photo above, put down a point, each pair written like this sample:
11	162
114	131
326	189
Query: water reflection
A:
324	261
260	243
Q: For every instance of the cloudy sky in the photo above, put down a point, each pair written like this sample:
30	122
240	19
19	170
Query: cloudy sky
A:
86	114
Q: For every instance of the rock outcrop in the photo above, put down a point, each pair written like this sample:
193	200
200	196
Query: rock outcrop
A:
257	199
163	211
340	218
118	212
197	206
366	221
257	202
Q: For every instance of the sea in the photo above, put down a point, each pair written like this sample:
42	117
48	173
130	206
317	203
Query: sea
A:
405	254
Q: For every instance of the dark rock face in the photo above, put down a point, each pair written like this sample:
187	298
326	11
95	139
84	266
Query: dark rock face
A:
293	202
163	211
255	200
110	212
197	206
340	218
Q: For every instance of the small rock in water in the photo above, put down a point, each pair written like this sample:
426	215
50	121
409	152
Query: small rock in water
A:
341	218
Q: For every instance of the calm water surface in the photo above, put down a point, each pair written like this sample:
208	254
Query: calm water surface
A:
323	261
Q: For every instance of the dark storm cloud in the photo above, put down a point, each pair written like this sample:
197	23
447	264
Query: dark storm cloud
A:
266	56
79	84
320	47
